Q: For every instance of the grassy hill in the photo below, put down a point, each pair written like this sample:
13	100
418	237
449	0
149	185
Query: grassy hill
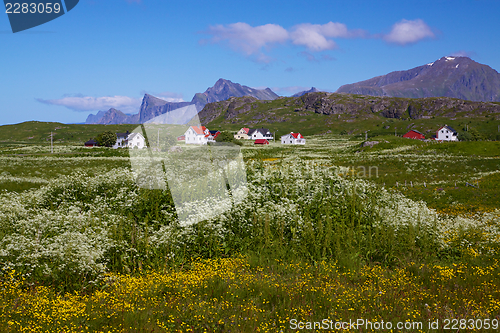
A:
37	132
321	113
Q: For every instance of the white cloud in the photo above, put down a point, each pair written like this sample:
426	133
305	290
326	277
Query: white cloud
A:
316	36
251	40
247	39
310	36
88	103
407	32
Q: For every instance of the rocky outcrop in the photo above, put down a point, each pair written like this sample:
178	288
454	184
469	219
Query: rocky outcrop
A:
369	143
343	104
389	107
230	108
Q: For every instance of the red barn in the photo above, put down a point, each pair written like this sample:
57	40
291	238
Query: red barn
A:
91	143
414	134
261	142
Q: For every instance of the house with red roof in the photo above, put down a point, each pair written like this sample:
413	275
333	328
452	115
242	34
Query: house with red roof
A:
293	139
242	133
414	134
199	135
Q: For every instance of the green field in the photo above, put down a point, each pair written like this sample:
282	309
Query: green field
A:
38	133
406	231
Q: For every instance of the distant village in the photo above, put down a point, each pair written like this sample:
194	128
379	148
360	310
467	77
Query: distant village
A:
200	135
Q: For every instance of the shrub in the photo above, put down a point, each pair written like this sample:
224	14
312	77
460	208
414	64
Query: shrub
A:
106	139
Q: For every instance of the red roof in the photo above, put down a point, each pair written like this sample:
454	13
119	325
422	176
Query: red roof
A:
296	135
414	135
246	129
261	142
199	129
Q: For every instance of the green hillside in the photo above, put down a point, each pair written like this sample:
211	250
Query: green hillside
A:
37	132
310	117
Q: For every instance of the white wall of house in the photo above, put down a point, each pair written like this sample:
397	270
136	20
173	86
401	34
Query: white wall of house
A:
288	139
194	138
121	141
257	134
136	140
446	134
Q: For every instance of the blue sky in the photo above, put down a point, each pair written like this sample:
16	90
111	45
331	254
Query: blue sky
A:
108	53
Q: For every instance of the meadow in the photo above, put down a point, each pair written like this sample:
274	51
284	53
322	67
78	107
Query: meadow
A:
403	231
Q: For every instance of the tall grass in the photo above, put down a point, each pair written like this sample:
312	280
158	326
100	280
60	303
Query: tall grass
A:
73	230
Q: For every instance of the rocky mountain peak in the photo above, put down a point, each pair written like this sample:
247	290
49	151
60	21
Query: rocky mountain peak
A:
152	107
152	100
449	76
221	83
313	89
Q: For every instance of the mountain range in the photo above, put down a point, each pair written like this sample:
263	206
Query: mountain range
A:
457	77
453	77
152	107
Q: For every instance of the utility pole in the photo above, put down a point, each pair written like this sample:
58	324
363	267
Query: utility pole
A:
395	131
366	135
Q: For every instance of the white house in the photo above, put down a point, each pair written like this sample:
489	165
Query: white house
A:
446	133
293	139
199	135
121	140
242	133
260	133
136	140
